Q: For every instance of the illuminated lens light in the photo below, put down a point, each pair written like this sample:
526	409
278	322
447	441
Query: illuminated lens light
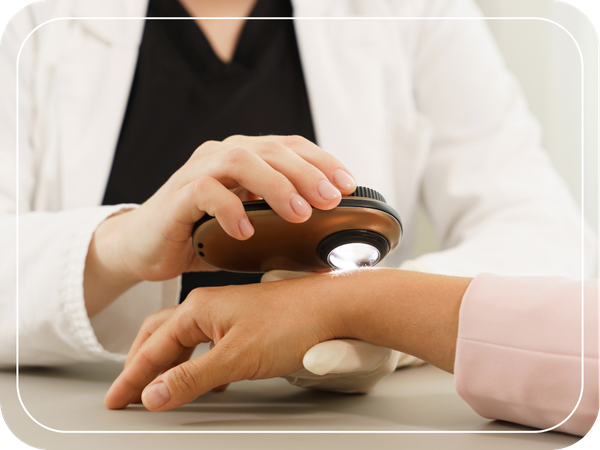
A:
353	256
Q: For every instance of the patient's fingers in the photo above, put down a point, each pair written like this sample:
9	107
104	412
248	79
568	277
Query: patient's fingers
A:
185	356
189	380
150	325
161	350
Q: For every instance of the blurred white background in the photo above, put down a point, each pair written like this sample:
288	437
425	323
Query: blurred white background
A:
546	61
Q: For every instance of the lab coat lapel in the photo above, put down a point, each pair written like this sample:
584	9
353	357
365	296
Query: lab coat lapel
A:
95	75
340	60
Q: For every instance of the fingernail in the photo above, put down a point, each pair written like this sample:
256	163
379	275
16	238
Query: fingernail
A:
246	228
327	190
343	179
155	396
300	206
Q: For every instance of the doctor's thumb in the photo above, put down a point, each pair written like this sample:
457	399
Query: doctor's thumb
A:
187	381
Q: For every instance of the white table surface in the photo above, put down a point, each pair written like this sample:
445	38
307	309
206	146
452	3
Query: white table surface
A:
68	401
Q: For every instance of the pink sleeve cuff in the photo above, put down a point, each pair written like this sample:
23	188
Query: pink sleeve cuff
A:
519	351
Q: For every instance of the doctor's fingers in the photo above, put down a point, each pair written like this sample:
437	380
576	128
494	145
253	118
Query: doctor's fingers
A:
328	164
314	172
207	195
333	169
295	155
242	167
307	178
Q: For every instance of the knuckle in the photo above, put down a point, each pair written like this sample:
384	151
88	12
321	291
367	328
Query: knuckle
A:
195	295
186	328
293	140
280	183
199	185
236	155
155	320
324	159
196	300
145	355
269	149
206	145
233	137
149	322
181	314
308	172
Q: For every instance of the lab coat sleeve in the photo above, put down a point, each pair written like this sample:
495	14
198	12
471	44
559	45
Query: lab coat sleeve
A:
495	200
519	351
53	327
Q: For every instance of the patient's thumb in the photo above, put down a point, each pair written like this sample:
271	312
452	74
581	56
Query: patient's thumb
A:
189	380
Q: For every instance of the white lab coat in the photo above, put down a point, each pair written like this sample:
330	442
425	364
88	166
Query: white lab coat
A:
417	109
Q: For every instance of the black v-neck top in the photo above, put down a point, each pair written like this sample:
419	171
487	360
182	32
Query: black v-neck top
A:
183	95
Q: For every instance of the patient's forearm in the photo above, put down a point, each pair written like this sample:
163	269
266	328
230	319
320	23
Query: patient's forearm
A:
413	312
263	330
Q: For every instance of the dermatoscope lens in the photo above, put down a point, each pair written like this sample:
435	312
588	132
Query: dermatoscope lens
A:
351	249
353	256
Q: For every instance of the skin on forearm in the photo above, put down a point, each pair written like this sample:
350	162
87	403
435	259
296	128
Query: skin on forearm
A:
416	313
263	330
105	276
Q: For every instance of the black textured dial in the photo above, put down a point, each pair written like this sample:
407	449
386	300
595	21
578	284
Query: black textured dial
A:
366	192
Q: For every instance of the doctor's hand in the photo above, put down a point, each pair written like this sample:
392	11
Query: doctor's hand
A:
153	242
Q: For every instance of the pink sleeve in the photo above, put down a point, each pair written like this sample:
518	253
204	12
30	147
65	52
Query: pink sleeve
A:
518	355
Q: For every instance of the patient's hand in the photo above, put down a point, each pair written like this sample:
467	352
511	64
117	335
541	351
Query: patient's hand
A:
260	331
264	330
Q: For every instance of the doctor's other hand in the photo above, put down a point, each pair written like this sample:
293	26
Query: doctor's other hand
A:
264	330
153	242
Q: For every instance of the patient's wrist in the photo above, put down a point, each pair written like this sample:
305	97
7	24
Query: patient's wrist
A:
412	312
